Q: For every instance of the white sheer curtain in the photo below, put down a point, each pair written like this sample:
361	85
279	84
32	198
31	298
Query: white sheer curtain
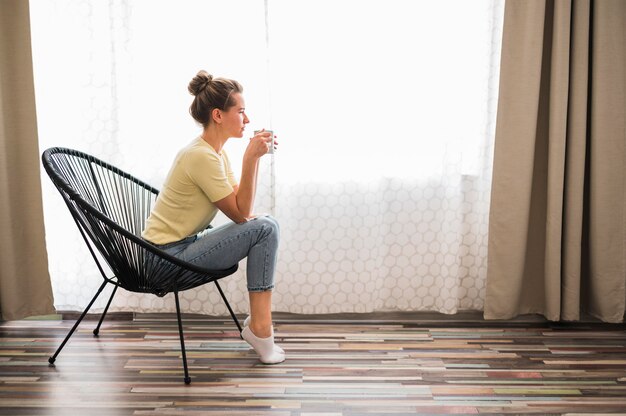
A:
385	115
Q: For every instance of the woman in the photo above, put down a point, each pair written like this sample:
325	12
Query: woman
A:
201	182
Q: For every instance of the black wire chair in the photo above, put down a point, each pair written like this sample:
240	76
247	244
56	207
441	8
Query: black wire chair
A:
110	208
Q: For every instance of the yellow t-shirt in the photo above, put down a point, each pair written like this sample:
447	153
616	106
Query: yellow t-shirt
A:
199	177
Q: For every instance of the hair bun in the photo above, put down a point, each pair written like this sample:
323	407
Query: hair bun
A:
199	82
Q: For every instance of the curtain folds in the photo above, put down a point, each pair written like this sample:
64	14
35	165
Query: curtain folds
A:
25	288
557	230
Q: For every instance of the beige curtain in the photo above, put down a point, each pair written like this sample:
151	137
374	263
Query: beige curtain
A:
25	288
558	220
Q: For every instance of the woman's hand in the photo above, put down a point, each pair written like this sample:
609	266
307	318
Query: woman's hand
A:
259	144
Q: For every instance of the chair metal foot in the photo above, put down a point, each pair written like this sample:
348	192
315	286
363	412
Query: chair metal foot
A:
69	334
230	310
51	360
182	339
97	330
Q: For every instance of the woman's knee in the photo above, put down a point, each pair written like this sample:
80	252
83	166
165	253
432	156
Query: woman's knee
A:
269	221
270	224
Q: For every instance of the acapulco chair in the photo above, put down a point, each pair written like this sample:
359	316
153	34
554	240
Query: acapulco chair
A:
110	208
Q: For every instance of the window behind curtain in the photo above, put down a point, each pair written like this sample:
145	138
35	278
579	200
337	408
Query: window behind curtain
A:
384	112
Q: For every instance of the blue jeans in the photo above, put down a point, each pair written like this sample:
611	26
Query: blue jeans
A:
224	246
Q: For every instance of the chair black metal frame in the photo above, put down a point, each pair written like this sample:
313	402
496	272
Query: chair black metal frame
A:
110	208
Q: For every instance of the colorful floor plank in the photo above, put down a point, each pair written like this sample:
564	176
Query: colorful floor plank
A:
346	367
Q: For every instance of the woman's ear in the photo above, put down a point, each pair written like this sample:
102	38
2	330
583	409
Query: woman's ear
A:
216	115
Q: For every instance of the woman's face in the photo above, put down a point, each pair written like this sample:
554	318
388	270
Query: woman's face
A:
235	119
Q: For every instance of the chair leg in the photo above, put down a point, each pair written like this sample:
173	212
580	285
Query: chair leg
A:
228	306
52	359
97	330
182	339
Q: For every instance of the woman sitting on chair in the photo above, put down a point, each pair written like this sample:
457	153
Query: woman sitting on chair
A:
199	183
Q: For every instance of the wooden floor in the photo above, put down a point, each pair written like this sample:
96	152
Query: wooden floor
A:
383	366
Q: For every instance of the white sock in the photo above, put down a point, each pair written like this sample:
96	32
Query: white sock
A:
246	322
263	346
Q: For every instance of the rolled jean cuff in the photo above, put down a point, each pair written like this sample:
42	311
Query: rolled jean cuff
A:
260	289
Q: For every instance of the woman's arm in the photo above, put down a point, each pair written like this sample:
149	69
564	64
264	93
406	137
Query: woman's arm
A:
228	206
239	204
246	191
